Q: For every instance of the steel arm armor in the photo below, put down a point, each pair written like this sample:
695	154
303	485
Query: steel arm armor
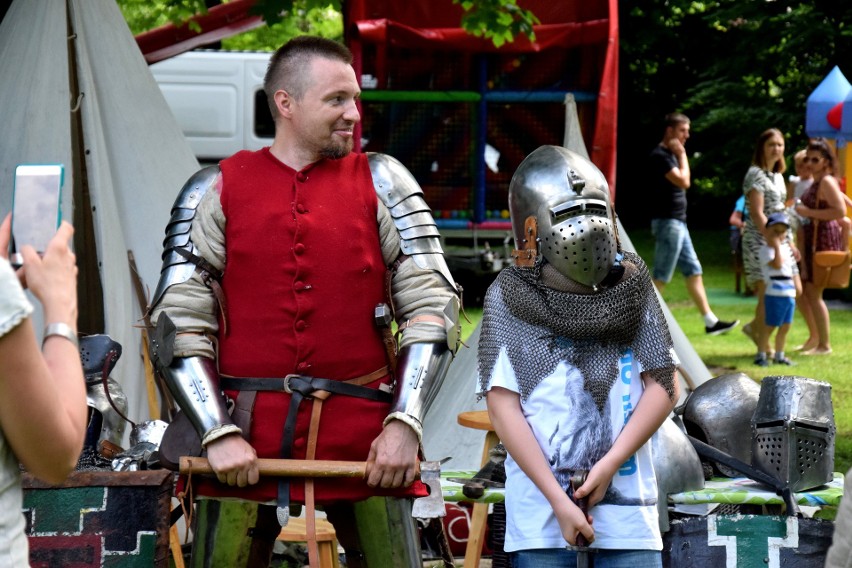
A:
402	195
420	372
178	248
191	380
421	366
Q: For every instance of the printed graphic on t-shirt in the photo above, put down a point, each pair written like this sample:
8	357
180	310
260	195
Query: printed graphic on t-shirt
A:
571	430
582	435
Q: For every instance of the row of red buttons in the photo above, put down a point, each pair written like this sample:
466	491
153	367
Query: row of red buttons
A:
299	249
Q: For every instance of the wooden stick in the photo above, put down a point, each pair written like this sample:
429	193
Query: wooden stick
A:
285	468
174	546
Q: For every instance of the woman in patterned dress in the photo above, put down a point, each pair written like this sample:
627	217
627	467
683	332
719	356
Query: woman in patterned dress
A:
823	203
765	193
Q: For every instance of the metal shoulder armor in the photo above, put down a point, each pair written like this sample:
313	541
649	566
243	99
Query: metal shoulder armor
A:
403	197
178	249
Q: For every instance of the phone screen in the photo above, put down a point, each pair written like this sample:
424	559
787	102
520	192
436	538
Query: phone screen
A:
35	207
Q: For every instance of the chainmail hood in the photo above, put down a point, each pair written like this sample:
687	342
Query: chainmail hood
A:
539	327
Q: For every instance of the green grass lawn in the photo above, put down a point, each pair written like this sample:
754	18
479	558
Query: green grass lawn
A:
734	352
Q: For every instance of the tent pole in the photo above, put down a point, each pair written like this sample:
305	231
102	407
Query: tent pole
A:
90	297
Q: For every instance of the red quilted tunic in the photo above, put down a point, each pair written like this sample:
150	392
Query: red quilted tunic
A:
304	272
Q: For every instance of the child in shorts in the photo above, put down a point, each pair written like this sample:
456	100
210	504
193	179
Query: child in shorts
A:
782	287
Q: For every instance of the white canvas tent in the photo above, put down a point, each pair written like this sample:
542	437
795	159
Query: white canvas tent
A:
130	156
126	150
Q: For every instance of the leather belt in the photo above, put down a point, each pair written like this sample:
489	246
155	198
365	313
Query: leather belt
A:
780	278
308	386
301	387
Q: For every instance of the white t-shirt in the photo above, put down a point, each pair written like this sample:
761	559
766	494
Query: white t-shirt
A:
800	186
557	410
779	281
14	551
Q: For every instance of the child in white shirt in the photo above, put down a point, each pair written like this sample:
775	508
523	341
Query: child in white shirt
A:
782	287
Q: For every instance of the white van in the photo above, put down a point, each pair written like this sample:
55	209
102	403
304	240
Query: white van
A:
217	98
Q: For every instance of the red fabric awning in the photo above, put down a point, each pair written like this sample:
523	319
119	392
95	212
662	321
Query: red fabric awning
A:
563	35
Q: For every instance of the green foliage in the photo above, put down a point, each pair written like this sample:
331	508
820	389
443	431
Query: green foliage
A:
144	15
284	19
497	20
735	67
324	21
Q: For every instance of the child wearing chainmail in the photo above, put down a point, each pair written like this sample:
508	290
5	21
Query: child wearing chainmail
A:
578	369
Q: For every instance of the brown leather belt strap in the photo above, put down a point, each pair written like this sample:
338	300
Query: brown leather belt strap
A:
435	320
310	453
211	278
310	386
243	408
301	387
310	508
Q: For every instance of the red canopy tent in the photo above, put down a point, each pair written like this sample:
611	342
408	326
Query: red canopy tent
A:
582	35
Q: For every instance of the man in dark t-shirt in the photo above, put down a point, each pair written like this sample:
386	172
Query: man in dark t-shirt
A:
670	177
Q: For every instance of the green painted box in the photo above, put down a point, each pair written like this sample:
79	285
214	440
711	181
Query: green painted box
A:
100	518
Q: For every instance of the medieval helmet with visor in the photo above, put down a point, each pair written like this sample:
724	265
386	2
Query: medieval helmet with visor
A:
573	222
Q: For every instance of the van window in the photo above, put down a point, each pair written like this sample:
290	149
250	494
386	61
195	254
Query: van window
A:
264	126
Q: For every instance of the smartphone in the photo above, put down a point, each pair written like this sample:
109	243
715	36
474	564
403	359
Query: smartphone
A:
36	211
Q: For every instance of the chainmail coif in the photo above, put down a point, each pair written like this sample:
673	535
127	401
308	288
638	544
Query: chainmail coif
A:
539	327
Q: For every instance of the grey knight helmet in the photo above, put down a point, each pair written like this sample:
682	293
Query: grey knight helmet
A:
561	210
719	411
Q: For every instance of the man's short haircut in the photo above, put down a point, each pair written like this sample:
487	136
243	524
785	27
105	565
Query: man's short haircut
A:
288	67
675	119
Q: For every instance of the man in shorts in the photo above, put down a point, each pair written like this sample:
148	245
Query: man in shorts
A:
670	178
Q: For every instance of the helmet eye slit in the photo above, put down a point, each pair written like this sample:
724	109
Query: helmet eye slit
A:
589	207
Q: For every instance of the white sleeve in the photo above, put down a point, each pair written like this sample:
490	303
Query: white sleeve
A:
14	305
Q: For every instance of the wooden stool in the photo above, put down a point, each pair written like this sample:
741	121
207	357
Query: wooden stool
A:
479	420
295	531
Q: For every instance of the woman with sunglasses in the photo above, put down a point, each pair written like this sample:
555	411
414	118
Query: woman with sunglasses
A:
824	204
765	193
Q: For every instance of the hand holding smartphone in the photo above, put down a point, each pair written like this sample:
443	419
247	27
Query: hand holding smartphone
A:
36	212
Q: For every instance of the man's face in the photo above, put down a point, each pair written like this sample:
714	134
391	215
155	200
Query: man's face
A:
679	131
325	118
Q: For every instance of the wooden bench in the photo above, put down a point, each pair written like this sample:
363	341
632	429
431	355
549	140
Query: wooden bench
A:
295	531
